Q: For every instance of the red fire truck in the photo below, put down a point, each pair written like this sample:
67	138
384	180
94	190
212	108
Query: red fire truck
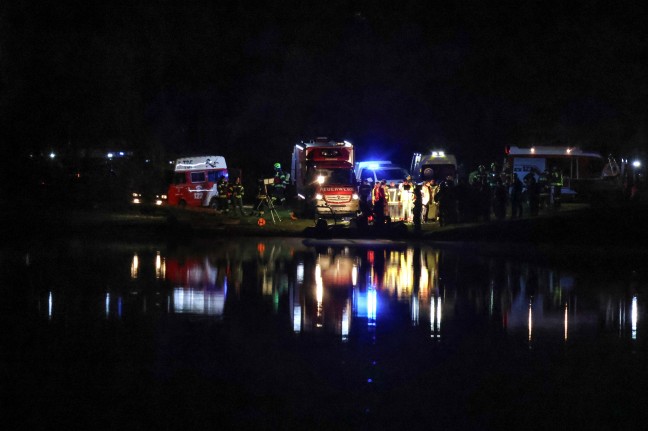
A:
323	176
195	181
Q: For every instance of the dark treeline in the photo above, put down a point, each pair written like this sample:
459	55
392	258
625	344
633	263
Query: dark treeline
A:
201	77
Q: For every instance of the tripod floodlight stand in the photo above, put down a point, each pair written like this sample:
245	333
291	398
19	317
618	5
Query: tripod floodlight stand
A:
266	200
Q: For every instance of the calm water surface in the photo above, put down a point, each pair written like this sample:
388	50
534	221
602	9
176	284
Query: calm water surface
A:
289	334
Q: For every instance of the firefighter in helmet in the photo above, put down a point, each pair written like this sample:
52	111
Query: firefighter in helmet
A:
236	192
281	180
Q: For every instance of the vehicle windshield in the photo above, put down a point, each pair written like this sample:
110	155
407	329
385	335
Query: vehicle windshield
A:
334	176
438	172
392	174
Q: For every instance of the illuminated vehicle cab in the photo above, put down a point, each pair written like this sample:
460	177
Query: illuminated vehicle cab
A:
324	179
195	181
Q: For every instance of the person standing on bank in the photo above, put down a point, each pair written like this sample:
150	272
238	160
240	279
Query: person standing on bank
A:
516	197
378	200
406	189
425	201
281	180
417	203
237	191
223	195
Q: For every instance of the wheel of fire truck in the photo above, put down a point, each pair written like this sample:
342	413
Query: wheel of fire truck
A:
213	203
182	203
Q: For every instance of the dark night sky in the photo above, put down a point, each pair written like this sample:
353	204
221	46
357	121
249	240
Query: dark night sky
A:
393	77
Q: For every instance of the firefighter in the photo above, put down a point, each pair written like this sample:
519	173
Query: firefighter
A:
223	195
393	210
500	199
543	188
406	189
378	199
433	210
281	180
445	197
516	197
365	195
555	182
237	191
417	206
383	184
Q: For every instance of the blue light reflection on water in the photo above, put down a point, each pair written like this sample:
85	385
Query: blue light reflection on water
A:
396	309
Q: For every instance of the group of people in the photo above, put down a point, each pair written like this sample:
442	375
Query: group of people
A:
230	196
407	201
483	195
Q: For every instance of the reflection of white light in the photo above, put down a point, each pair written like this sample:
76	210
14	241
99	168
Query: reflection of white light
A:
345	322
438	316
633	317
52	155
636	164
530	320
160	266
566	321
107	304
354	275
300	273
297	319
435	317
50	305
415	311
134	266
193	301
373	166
319	290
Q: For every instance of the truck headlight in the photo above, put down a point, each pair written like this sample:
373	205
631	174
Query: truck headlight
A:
319	196
355	197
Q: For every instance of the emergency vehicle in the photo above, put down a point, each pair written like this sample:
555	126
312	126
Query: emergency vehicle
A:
378	170
195	181
324	179
585	173
437	165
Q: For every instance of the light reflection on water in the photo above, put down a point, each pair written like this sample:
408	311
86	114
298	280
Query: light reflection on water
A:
336	288
282	317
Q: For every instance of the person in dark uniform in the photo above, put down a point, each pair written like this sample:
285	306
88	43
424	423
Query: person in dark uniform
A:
223	195
556	182
378	199
281	180
516	197
237	191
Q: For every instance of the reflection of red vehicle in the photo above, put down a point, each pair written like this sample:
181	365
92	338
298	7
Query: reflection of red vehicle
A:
197	287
